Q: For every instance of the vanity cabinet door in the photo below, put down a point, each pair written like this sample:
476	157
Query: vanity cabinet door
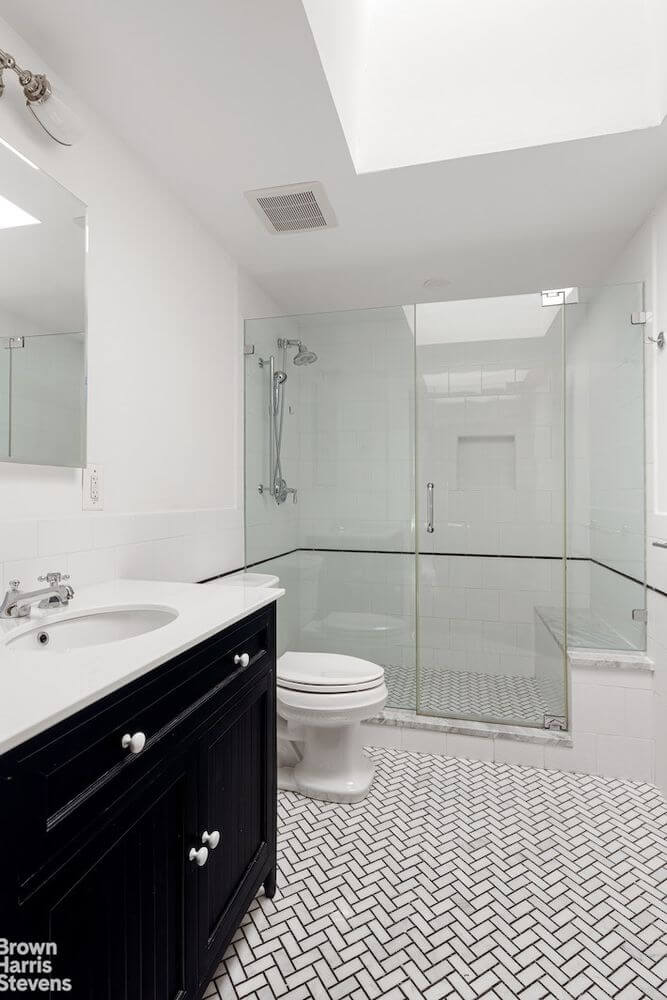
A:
237	799
120	913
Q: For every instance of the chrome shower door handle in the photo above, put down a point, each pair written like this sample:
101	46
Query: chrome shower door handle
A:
429	508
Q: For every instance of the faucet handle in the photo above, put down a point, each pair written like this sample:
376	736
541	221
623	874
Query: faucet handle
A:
53	578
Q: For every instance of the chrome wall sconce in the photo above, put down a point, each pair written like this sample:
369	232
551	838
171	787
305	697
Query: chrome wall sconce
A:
55	117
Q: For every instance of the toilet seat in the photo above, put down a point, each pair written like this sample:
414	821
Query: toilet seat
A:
327	673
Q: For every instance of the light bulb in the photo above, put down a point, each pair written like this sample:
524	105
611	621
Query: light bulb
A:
57	119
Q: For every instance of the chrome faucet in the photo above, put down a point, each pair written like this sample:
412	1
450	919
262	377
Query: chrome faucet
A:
17	604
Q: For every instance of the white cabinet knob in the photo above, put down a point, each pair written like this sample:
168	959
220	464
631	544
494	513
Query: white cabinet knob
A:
135	743
242	659
200	856
212	839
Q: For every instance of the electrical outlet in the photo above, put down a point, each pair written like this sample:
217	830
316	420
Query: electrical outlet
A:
93	487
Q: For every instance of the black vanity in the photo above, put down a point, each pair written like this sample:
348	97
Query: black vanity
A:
110	822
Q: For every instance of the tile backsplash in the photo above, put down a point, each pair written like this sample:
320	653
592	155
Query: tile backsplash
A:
184	545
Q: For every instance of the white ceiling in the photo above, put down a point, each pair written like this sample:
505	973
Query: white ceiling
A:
224	97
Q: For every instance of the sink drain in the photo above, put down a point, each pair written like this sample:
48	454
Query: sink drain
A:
42	638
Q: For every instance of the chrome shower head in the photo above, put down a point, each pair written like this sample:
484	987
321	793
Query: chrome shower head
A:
303	356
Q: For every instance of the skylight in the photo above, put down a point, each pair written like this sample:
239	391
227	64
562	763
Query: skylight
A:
11	216
418	81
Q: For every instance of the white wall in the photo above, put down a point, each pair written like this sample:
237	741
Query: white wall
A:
164	346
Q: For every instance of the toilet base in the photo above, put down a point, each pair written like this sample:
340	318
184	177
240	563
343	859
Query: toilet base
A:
333	767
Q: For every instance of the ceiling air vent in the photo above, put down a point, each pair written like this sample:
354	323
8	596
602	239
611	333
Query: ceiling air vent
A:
293	208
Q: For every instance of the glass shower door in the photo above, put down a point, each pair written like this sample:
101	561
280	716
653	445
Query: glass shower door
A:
490	524
339	421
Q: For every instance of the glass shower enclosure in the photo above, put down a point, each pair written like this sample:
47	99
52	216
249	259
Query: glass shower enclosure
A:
406	473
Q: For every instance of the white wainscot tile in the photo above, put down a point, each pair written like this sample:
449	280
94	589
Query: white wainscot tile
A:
639	711
598	709
166	559
96	566
482	605
466	571
581	757
466	635
380	736
622	757
446	602
471	747
18	540
185	522
66	534
509	751
658	654
423	740
115	529
26	571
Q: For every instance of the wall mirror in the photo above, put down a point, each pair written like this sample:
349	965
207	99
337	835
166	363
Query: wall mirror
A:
42	317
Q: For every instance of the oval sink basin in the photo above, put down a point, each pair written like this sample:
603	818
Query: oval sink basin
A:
94	628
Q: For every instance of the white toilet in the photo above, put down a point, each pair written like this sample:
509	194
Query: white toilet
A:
322	700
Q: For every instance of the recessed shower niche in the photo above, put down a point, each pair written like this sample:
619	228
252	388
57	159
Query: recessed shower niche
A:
486	462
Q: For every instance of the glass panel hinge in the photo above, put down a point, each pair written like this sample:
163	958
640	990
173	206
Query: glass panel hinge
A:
560	296
640	615
641	317
555	722
15	343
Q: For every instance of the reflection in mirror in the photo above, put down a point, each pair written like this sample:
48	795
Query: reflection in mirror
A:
42	318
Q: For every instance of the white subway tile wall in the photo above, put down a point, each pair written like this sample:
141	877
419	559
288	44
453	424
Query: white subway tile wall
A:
356	432
184	545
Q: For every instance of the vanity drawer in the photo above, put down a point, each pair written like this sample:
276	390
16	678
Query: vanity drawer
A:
84	768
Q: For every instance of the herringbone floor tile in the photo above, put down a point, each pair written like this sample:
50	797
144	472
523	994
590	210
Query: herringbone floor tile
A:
466	880
468	695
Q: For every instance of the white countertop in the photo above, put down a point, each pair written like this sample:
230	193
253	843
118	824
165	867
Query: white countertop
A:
39	688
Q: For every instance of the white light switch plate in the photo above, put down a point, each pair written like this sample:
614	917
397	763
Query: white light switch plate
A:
93	487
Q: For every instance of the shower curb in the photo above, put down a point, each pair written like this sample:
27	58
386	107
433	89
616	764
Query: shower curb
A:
401	718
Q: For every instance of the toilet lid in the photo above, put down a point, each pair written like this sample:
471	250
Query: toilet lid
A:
327	673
